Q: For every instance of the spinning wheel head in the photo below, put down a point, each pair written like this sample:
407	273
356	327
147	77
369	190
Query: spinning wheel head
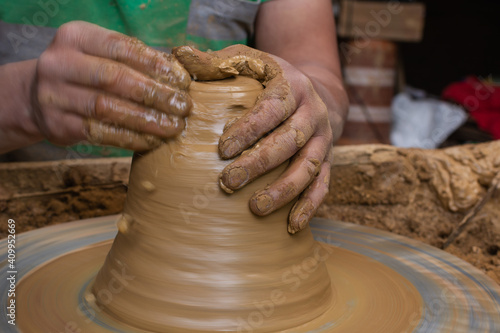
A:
382	283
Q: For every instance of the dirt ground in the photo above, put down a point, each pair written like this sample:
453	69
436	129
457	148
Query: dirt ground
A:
40	194
85	202
422	195
431	224
394	190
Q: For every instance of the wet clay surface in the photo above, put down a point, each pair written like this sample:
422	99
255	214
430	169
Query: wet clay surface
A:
188	243
46	193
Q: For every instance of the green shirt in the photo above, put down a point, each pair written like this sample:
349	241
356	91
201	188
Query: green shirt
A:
207	24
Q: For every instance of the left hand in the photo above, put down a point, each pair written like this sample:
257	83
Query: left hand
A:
289	120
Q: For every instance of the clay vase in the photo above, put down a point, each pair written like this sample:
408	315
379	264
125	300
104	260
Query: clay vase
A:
196	259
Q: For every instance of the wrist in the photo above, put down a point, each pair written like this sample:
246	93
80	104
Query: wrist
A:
330	89
17	124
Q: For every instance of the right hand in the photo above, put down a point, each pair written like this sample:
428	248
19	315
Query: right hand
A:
110	89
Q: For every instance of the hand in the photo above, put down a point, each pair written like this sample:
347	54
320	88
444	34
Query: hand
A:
96	84
294	116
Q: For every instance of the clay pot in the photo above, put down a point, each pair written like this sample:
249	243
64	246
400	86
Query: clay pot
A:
196	258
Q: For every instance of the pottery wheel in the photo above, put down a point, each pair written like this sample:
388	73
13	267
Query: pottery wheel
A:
381	283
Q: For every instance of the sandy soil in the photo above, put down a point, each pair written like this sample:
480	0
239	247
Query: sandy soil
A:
423	195
81	204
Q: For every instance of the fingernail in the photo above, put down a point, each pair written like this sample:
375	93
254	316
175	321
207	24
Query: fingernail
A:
300	139
313	166
224	187
298	224
174	73
180	103
262	202
300	216
169	77
230	123
234	178
229	147
166	120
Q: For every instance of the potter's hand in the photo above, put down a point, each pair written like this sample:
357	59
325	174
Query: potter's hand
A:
106	87
289	119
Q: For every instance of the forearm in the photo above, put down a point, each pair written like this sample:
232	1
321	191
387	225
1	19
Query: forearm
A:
329	87
309	44
17	128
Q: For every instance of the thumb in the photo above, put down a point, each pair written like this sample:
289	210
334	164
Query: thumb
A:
233	60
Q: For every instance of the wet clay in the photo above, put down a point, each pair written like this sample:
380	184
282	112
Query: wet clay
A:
201	260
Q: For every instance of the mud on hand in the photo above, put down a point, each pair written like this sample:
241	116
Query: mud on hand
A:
288	121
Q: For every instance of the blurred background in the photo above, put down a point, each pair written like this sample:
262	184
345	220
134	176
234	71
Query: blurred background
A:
420	73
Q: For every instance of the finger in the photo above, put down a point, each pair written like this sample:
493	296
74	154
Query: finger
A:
273	106
302	170
92	104
310	200
268	153
122	113
100	42
230	123
100	133
120	80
